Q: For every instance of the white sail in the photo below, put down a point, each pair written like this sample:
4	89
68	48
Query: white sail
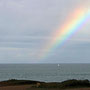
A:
58	65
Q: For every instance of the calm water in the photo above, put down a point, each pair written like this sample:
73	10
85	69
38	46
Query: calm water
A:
44	72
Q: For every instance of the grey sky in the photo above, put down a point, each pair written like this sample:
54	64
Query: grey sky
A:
26	26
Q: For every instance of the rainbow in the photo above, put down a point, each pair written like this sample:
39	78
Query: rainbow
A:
76	20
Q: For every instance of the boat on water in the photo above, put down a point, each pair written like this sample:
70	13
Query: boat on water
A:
58	65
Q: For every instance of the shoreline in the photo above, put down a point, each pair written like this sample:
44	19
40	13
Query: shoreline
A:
37	85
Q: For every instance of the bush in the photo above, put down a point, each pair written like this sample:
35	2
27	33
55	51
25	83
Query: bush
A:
75	83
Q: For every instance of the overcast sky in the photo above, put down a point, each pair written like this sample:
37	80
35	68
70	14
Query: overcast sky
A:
26	26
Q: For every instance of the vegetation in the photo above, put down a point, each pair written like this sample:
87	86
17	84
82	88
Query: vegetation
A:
17	82
67	84
36	84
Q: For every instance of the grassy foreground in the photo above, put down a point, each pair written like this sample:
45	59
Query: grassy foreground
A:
43	85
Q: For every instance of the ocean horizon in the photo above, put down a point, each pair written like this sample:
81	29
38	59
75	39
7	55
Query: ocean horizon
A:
45	72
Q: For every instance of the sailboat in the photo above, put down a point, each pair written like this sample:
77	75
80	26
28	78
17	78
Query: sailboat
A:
58	65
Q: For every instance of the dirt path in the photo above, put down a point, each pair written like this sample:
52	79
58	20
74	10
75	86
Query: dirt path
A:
22	87
28	87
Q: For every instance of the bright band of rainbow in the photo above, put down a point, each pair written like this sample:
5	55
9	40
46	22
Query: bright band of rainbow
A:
75	22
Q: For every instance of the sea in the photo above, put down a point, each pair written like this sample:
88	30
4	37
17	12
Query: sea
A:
44	72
